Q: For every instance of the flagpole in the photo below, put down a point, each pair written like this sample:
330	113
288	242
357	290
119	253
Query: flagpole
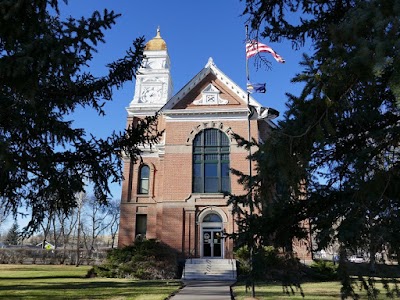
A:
253	293
247	60
248	105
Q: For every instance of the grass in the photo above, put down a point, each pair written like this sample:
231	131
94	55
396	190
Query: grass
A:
59	282
326	290
312	290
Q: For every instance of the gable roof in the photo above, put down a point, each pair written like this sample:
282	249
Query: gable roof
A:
202	81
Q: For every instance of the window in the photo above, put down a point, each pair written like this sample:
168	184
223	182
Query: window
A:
211	162
144	175
141	226
212	218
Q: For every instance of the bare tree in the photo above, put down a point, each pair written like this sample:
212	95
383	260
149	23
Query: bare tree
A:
113	214
66	225
81	198
46	226
96	223
4	212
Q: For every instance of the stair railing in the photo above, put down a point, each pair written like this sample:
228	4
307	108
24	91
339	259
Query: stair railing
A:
233	268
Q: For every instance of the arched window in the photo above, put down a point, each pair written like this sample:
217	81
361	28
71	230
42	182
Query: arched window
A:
144	176
211	162
212	218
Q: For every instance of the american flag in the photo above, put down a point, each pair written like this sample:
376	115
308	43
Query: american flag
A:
254	47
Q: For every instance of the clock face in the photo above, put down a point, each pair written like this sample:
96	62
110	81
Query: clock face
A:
151	94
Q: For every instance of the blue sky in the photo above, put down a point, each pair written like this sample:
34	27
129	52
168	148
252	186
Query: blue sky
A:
193	31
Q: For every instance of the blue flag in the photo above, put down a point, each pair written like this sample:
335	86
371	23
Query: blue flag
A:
256	87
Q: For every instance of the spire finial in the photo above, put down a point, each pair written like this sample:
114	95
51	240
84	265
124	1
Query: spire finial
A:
209	62
156	43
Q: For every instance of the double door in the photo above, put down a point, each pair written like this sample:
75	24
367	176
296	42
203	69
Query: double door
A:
212	243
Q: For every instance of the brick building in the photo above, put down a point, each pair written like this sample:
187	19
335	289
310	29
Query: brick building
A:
175	193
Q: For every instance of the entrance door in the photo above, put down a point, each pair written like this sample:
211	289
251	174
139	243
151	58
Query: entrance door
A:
212	243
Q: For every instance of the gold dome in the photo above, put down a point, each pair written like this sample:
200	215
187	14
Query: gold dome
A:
157	43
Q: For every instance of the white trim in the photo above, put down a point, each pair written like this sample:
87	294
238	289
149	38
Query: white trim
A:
212	209
210	67
206	118
206	114
220	225
214	111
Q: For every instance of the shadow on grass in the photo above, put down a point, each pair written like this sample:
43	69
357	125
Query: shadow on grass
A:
386	279
275	291
97	283
382	270
42	277
99	288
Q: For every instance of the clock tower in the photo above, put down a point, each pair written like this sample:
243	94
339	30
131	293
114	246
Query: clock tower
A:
153	80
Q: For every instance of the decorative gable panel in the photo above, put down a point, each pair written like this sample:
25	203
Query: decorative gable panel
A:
210	96
210	91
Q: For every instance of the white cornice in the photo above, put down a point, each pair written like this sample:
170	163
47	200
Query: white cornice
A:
207	114
142	111
212	110
156	150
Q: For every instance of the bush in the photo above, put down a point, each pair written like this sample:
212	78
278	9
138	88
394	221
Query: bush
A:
242	256
268	264
146	259
324	270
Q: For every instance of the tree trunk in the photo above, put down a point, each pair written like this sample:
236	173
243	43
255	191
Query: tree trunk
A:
372	261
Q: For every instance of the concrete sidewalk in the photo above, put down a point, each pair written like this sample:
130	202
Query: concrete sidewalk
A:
205	290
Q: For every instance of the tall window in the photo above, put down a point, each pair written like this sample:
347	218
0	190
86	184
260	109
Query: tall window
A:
144	175
141	226
211	162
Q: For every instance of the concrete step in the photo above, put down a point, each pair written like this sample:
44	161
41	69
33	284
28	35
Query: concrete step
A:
217	267
214	261
209	278
210	269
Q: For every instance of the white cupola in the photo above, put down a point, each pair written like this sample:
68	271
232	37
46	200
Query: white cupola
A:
153	80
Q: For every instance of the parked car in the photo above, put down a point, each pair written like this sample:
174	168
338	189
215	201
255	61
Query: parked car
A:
356	259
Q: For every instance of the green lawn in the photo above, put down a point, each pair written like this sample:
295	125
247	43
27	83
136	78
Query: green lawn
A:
312	291
325	290
58	282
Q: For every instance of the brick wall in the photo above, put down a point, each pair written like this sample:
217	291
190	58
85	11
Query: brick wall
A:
171	182
171	208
